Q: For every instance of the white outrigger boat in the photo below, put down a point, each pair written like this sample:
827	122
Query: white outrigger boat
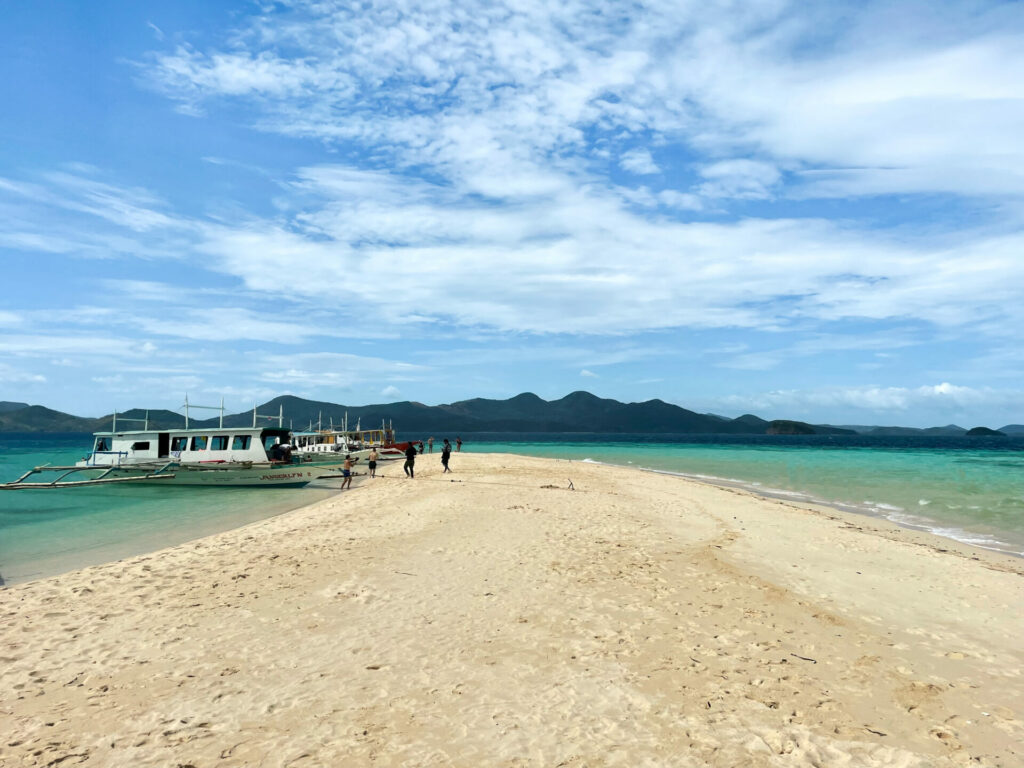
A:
313	444
234	456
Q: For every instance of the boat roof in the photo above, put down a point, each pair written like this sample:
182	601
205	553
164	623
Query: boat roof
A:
191	431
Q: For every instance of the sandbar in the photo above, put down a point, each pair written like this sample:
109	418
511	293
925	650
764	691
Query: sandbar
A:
497	617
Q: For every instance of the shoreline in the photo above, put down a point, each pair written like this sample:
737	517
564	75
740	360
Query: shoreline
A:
162	535
495	617
992	540
802	499
796	498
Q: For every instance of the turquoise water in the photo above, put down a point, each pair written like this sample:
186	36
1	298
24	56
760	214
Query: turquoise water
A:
969	493
960	488
45	532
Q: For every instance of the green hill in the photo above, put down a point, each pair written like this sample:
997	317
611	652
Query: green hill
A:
576	412
984	432
36	418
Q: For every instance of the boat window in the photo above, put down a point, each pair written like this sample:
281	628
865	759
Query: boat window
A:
141	446
240	443
179	444
219	443
199	443
269	441
101	444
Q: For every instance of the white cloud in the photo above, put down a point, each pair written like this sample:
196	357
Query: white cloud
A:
321	370
582	260
390	392
505	110
229	323
479	91
739	178
889	402
10	374
743	358
588	374
638	161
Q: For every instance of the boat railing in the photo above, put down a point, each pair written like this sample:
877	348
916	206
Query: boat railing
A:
91	459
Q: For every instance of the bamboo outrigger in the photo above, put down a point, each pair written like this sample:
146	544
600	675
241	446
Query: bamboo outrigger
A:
60	482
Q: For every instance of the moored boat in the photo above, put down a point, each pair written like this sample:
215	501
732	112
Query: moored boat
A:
206	456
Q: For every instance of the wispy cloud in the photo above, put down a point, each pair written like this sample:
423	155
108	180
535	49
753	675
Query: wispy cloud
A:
935	400
638	161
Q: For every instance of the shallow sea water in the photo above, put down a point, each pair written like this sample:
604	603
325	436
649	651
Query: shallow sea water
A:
44	532
963	488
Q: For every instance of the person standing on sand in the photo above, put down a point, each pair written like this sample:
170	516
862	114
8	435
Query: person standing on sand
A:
346	472
458	444
446	453
410	460
430	445
372	462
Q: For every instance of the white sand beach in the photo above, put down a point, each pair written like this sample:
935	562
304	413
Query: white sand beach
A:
493	617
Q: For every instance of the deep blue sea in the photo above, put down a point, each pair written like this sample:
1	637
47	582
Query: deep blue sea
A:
970	489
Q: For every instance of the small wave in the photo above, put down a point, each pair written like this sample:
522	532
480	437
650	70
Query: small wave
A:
783	492
715	478
975	539
882	506
923	502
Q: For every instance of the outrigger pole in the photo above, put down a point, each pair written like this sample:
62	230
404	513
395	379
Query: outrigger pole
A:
157	474
145	422
279	417
188	405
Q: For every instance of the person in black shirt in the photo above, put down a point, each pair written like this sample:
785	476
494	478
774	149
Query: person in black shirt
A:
446	453
410	460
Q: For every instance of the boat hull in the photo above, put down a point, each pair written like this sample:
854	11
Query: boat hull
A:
276	477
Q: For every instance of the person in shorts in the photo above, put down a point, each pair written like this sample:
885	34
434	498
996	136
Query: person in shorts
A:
446	454
372	462
346	472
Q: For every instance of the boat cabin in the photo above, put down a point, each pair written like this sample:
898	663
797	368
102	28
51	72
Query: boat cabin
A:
188	446
324	441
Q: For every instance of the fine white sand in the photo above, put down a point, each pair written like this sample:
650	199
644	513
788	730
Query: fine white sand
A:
502	619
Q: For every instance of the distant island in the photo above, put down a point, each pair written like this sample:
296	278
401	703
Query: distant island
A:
576	412
985	432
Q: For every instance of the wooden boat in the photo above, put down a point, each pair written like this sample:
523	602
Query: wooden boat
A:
207	456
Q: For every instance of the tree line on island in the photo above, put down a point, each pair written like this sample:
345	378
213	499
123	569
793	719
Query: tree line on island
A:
576	412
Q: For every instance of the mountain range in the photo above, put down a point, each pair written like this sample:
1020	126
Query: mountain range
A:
576	412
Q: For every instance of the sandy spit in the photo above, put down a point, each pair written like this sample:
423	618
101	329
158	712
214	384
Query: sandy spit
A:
493	617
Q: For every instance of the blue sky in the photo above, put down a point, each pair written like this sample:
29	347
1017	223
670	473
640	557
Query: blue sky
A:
800	210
